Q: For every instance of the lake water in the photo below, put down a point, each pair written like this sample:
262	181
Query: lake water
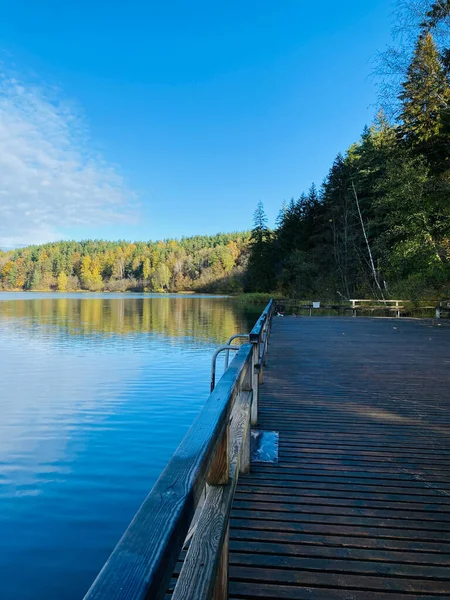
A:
96	392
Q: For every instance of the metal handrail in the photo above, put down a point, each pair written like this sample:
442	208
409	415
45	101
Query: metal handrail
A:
234	337
214	365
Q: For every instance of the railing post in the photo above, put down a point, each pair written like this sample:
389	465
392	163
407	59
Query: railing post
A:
255	383
219	474
219	471
244	466
261	356
221	585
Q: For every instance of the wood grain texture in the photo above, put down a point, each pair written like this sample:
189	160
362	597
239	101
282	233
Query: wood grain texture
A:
142	563
255	385
358	506
204	573
220	467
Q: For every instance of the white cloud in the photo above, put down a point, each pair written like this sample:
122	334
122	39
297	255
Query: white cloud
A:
49	179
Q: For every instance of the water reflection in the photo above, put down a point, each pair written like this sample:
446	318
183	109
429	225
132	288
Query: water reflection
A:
212	319
96	393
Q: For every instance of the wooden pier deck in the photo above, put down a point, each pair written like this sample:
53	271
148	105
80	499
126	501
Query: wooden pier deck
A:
358	506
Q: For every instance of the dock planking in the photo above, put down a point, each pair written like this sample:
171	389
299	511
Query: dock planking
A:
358	505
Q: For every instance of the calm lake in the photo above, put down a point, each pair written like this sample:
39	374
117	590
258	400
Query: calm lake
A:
96	392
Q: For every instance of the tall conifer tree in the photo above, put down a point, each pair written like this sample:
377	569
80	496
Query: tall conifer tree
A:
425	103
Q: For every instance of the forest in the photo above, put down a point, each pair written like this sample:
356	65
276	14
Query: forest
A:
199	263
378	226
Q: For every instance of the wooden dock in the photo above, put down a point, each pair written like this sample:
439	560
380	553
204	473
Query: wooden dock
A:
358	506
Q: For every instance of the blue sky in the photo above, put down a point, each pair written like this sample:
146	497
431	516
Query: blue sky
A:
145	120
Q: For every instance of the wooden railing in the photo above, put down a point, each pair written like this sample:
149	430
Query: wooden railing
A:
189	505
355	306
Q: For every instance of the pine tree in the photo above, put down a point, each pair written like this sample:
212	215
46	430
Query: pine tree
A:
425	104
281	215
261	261
35	279
259	231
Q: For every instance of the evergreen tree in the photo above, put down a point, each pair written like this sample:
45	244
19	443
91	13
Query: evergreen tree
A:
35	279
425	103
281	215
261	259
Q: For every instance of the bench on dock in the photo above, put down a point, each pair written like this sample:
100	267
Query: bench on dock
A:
355	306
395	306
443	309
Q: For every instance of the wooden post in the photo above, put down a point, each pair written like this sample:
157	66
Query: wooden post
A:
266	343
269	330
219	475
255	383
221	586
244	466
219	472
261	356
247	384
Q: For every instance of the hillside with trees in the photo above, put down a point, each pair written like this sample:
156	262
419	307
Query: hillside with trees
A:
380	224
200	263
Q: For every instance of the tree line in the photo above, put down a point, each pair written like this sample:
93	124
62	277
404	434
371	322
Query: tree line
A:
379	226
199	263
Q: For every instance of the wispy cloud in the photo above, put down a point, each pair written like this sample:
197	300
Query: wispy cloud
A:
50	179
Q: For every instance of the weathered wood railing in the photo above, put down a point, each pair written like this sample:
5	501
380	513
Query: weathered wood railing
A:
397	308
209	459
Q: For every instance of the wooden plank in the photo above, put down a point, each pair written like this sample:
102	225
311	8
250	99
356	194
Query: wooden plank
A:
334	564
371	555
371	473
330	579
420	485
308	508
330	495
330	483
282	522
253	532
267	591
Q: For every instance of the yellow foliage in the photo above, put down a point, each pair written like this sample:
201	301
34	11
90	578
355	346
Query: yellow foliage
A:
62	282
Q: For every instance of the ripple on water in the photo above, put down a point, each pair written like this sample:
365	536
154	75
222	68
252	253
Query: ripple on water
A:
96	394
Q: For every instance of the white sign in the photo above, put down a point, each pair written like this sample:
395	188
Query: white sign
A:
316	304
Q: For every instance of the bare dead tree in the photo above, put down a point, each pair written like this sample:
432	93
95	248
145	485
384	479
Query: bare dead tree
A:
366	239
391	65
